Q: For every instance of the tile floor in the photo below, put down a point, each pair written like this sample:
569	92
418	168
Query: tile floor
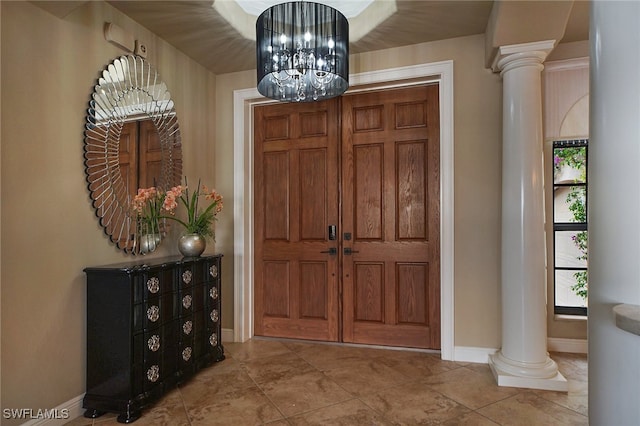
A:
298	383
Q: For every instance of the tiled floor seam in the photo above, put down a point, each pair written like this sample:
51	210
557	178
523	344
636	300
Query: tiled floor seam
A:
285	417
376	411
184	406
513	395
302	413
478	413
562	406
266	396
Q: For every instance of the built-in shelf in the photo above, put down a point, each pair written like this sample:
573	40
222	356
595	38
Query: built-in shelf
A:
628	318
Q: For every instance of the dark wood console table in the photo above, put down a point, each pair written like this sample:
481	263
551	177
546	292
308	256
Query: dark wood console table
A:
150	325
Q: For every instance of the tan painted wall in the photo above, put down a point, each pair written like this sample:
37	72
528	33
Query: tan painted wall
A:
50	232
477	116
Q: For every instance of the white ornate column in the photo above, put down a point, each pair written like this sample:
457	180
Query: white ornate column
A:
523	360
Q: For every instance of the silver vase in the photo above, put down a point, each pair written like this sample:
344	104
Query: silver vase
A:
192	245
149	242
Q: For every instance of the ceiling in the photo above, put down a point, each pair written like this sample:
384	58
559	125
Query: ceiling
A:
198	30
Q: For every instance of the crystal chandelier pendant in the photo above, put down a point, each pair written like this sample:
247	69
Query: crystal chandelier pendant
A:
302	52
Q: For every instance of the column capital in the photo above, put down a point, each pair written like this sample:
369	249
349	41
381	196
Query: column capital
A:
533	53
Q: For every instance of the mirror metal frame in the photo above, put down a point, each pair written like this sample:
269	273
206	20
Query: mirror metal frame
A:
130	88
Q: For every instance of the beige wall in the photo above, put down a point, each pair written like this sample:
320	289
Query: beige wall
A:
225	85
50	232
477	154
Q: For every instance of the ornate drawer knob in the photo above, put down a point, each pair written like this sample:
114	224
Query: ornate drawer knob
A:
213	293
186	301
187	327
186	353
186	277
154	343
215	315
153	313
153	284
213	271
153	373
213	339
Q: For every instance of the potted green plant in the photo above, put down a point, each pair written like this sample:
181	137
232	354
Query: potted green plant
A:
198	224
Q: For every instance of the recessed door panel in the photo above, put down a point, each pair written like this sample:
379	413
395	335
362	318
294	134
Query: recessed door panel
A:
313	194
369	292
368	191
411	188
276	277
275	198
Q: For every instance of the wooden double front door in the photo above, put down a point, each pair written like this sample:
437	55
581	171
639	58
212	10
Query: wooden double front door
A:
347	226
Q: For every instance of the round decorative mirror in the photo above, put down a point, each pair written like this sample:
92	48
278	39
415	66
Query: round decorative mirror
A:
132	140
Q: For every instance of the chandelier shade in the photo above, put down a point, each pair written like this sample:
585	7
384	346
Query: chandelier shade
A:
302	52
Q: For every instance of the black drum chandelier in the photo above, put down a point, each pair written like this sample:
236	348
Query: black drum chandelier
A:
302	52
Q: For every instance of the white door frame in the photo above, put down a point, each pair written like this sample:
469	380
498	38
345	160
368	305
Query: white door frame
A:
243	103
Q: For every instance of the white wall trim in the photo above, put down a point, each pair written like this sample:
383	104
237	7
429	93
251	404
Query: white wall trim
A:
566	64
574	346
481	355
473	354
228	335
243	102
73	408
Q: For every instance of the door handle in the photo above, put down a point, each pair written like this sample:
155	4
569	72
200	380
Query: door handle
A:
348	251
331	251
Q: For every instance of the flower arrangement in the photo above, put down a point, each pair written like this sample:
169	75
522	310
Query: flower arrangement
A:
149	204
153	205
197	221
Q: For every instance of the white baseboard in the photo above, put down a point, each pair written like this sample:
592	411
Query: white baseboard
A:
69	410
227	335
481	355
471	354
554	344
575	346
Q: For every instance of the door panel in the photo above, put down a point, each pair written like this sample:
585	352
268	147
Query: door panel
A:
390	198
313	181
368	190
369	292
128	156
296	186
276	279
276	196
150	154
411	208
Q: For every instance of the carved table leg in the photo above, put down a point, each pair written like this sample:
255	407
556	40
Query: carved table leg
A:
92	413
129	416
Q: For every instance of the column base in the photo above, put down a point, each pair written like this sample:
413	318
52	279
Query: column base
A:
543	376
